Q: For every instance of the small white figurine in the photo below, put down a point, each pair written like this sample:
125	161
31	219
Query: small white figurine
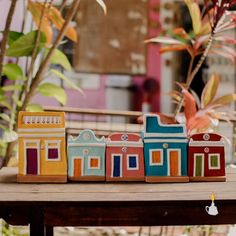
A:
212	209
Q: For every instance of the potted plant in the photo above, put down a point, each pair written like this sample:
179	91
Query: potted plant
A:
39	49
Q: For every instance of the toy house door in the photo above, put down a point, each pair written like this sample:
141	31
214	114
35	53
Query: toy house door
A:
117	165
32	161
78	167
175	162
199	165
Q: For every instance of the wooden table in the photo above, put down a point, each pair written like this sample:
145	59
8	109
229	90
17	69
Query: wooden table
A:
105	204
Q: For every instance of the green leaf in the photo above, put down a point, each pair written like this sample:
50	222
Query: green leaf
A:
24	45
52	90
8	88
195	14
12	71
103	5
59	58
5	117
5	104
13	36
210	90
10	136
68	81
224	100
34	107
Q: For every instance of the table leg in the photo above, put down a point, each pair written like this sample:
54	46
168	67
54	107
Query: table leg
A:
49	230
37	227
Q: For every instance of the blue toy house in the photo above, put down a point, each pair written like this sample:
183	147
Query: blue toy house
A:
165	150
86	157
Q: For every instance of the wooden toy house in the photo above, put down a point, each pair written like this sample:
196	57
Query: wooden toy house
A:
86	157
41	147
206	157
124	157
165	151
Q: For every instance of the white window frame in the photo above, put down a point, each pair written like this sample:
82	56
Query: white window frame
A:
37	146
89	162
112	164
194	163
209	161
137	162
57	145
150	157
179	161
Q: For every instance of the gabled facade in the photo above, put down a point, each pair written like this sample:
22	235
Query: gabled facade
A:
41	147
206	157
124	157
165	151
86	157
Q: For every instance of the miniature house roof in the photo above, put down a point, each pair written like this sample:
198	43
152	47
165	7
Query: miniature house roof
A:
127	137
86	137
41	119
206	137
153	127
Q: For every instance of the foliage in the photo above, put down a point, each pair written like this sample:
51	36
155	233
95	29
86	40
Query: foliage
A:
38	48
208	36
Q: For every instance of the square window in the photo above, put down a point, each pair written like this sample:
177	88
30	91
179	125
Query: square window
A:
53	153
132	162
214	161
94	162
156	157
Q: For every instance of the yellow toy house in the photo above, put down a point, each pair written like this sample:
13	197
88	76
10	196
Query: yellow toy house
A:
41	147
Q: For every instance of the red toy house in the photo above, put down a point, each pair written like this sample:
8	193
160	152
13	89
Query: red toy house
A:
124	157
206	157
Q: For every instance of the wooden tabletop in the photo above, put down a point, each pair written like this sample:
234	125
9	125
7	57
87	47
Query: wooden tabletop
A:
115	204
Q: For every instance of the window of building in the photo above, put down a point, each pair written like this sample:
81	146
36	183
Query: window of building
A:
214	161
94	162
132	162
53	148
156	157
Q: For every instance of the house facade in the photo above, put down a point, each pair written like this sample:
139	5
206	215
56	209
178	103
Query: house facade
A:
86	157
165	151
206	157
41	147
124	157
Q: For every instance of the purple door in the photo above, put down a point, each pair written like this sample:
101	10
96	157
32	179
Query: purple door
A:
32	161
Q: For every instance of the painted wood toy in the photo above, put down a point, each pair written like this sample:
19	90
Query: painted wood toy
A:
41	147
165	150
86	157
124	157
206	157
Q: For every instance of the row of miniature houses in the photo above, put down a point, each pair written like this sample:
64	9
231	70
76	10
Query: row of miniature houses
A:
162	153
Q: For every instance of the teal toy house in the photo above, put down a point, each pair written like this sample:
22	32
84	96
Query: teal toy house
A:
86	157
165	150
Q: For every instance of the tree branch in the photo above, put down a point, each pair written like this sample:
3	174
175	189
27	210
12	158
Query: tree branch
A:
6	34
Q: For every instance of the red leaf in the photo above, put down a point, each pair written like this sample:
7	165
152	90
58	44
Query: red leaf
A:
190	109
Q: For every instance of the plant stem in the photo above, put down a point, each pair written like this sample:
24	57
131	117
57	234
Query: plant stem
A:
196	69
39	75
6	34
63	4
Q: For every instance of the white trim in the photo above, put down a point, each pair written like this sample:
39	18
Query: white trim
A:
194	162
112	164
178	150
209	161
122	143
153	135
89	162
86	144
37	146
41	130
165	140
137	161
72	171
41	135
206	143
57	145
161	157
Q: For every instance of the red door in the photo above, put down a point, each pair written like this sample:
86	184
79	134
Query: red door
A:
32	161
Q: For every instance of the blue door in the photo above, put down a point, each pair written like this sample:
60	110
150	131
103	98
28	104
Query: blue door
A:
116	166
